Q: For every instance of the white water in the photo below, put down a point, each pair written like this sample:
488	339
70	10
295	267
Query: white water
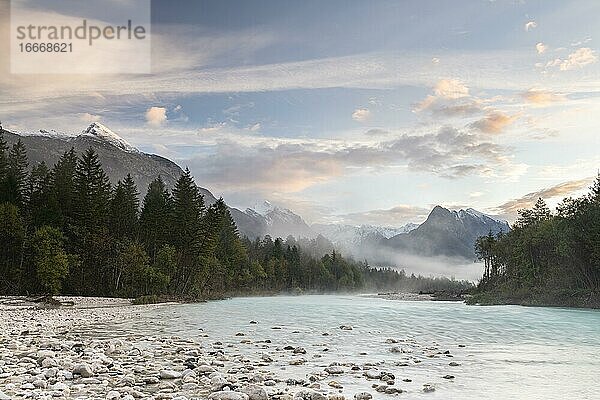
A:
511	352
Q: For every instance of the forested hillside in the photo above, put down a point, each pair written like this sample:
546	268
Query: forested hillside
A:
65	229
547	258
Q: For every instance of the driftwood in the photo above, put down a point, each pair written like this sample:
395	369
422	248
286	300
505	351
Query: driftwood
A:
49	301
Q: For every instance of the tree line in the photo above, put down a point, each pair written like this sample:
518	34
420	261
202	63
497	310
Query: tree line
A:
66	229
550	258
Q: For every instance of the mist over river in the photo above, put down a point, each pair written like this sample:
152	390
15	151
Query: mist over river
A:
497	352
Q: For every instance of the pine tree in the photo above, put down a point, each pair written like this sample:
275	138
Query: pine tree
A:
91	239
12	237
188	209
63	190
16	180
187	234
594	195
226	244
92	192
124	208
3	167
155	218
540	210
39	195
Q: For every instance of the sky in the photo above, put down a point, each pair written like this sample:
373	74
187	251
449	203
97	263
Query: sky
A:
350	111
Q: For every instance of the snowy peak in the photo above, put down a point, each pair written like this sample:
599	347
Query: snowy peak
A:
101	132
280	222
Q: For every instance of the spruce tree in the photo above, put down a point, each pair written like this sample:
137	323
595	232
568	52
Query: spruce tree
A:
226	243
155	218
3	167
16	180
39	195
63	190
124	207
12	237
92	192
187	230
91	238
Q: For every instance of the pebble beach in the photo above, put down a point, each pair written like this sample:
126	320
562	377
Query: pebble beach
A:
45	355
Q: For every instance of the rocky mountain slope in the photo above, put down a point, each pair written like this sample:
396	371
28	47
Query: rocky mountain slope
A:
447	233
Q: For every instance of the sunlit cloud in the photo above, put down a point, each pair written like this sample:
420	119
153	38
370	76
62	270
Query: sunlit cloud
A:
494	122
510	208
541	48
89	118
395	216
156	116
292	165
361	114
541	97
530	25
579	59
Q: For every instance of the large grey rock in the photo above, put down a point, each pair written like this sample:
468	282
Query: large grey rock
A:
84	370
169	374
309	394
256	392
228	395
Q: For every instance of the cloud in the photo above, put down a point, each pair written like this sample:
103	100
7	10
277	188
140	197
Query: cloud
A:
156	116
494	122
450	98
396	216
510	208
541	97
292	165
89	118
530	25
377	132
541	48
361	114
579	59
451	89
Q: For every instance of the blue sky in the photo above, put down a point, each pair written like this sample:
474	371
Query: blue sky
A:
353	111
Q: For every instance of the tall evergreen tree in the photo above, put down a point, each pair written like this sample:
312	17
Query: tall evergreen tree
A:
3	166
90	231
39	192
226	244
188	235
124	206
63	190
16	179
155	218
92	192
12	240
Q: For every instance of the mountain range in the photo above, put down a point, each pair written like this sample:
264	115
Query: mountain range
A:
444	232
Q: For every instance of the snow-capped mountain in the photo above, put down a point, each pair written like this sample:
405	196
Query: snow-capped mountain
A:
280	222
118	157
448	233
351	236
101	132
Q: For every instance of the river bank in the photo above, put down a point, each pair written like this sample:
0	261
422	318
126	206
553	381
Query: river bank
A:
68	352
325	347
